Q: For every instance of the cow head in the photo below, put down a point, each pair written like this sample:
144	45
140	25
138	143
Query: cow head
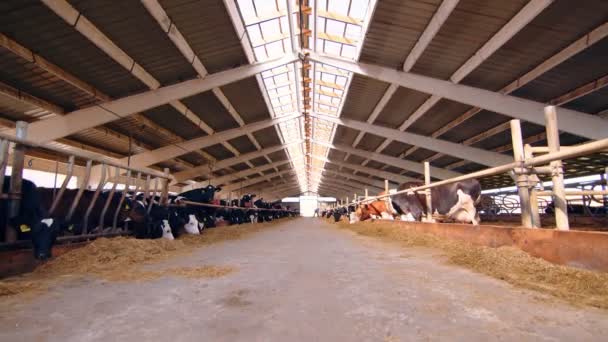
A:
192	226
44	234
166	228
208	193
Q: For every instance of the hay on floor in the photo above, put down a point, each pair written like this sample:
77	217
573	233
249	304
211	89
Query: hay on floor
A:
119	259
510	264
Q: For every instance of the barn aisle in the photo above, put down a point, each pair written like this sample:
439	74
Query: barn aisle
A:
303	280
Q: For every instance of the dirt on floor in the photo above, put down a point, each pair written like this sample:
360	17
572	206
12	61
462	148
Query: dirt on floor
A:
120	259
576	286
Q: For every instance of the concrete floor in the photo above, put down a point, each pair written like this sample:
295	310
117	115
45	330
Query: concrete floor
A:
302	281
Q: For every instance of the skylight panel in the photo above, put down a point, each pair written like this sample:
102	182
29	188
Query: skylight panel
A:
338	6
265	7
335	27
358	9
332	48
275	49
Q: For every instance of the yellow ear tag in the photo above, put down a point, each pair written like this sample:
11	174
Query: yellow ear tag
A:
71	227
24	228
127	207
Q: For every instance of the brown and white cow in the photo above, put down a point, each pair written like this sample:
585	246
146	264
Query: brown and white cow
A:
455	201
381	208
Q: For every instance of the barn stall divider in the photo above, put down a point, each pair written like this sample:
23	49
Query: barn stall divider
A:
578	248
139	178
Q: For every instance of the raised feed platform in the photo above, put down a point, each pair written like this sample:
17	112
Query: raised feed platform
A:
14	262
583	249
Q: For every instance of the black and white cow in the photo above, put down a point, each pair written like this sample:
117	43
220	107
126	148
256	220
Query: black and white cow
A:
455	201
204	215
32	221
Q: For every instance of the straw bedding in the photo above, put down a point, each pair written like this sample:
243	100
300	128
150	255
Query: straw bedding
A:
120	259
510	264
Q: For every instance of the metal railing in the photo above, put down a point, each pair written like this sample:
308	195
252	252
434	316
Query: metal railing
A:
20	144
524	167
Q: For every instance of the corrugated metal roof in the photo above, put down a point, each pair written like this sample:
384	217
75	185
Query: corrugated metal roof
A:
578	70
130	126
592	103
218	152
32	24
471	24
552	30
370	142
439	115
25	76
14	110
207	27
363	95
395	148
207	107
246	97
267	137
402	104
345	135
130	26
169	118
394	29
243	144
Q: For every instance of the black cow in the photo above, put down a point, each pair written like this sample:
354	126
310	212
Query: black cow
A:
206	215
75	225
263	215
456	201
32	221
249	215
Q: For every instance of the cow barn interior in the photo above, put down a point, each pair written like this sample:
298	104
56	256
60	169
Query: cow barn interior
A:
296	170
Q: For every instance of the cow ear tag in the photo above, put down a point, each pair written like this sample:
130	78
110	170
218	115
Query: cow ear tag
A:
24	228
127	207
71	227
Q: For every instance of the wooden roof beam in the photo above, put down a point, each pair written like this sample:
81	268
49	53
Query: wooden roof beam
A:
78	120
175	150
441	15
571	121
574	48
465	152
572	95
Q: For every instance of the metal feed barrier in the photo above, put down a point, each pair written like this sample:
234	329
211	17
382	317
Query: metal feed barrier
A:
524	169
142	180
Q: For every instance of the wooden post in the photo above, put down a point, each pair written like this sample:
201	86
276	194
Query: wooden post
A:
521	180
427	192
386	185
164	197
366	193
557	175
533	179
10	235
354	198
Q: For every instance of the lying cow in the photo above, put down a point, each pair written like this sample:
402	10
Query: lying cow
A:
376	209
455	201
